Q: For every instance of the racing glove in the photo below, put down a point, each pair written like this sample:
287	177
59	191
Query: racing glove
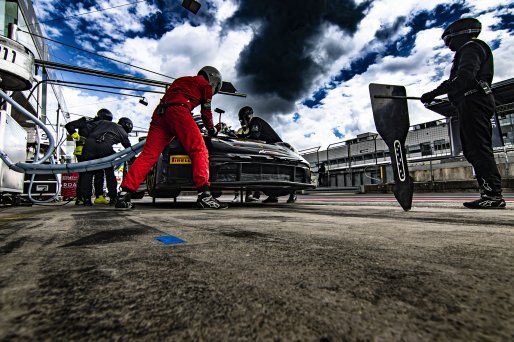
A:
428	97
75	136
212	132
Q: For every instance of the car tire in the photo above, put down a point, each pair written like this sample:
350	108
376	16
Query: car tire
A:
276	192
138	195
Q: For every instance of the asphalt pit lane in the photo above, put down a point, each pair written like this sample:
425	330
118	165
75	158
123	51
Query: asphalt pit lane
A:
108	236
11	246
170	240
242	234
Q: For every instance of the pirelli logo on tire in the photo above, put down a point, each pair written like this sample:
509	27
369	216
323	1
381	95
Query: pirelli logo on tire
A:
180	160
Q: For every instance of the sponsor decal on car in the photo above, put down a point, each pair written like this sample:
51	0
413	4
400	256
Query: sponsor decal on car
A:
269	152
180	159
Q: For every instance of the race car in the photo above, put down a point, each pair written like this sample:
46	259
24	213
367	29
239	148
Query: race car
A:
235	164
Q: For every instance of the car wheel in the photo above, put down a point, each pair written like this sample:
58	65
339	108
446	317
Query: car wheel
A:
138	195
276	192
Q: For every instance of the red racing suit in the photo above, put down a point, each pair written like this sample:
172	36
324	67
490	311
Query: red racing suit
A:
176	120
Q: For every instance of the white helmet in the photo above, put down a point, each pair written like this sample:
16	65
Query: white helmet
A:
213	76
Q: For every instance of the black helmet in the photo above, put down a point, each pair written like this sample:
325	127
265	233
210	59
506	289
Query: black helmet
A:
126	123
213	76
470	26
245	115
104	114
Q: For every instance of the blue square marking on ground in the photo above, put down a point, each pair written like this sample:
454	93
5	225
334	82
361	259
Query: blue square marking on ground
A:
169	240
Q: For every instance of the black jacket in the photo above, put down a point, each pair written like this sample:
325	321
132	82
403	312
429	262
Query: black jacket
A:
102	137
473	62
82	126
261	130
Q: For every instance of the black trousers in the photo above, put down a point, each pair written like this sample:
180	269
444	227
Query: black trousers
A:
110	178
98	181
475	113
80	179
87	183
321	179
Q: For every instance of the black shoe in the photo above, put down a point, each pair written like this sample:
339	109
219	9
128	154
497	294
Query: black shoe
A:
270	199
83	201
486	202
206	201
292	198
123	201
250	198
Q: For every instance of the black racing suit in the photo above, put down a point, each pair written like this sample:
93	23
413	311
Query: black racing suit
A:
473	62
261	130
83	126
321	175
98	145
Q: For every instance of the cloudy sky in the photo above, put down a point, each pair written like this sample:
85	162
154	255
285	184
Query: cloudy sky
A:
305	65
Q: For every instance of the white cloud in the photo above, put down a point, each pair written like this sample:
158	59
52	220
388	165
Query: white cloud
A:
186	48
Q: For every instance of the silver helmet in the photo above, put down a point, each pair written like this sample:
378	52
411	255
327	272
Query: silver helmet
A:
213	76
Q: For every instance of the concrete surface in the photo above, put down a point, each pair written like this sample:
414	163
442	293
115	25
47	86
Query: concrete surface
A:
323	269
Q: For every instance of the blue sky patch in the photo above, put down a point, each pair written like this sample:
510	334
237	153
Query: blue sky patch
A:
337	133
296	117
316	98
506	23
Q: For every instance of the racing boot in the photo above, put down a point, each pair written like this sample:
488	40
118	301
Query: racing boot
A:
83	201
486	202
101	200
250	198
123	201
87	202
206	201
292	197
271	199
236	197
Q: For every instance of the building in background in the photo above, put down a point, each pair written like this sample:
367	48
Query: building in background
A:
433	150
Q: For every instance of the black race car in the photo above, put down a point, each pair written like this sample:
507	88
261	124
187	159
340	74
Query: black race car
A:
235	164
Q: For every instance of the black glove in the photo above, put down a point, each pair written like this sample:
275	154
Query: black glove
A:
428	97
212	132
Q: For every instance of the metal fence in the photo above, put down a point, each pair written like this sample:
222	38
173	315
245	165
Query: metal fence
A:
365	159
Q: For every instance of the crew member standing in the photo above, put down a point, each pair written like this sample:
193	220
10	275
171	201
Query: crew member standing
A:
468	88
79	130
321	174
253	127
99	144
172	118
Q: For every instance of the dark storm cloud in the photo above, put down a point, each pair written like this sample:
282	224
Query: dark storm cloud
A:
400	46
388	31
172	13
278	61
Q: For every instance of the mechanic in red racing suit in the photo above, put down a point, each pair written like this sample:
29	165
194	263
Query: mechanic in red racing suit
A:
172	118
